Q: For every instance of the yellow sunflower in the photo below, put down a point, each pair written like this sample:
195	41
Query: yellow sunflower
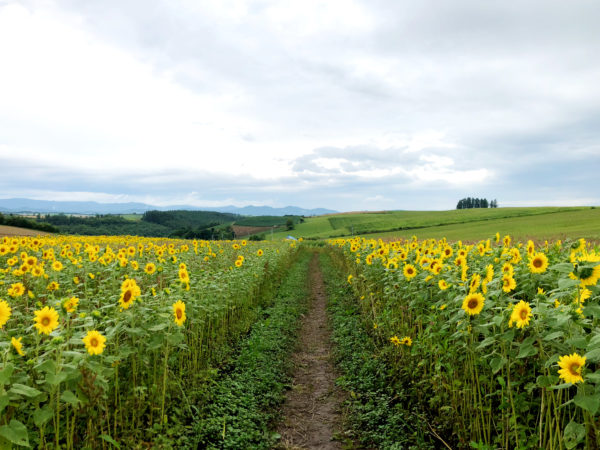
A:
475	282
184	276
443	285
570	368
179	312
70	305
538	263
5	312
508	283
53	286
239	263
395	340
150	268
94	342
521	315
16	290
259	252
16	343
57	266
46	320
473	303
406	341
409	271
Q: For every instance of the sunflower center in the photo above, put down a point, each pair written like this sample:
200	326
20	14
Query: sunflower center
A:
94	342
473	303
127	296
537	263
574	369
523	314
179	314
45	321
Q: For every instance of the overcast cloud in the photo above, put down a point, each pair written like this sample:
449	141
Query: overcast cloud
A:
348	105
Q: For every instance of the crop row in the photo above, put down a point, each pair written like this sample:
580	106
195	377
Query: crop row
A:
499	341
111	338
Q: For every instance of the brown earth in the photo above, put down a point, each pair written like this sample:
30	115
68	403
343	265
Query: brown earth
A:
241	231
6	230
311	414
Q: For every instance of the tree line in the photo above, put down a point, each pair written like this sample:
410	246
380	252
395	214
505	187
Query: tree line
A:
471	202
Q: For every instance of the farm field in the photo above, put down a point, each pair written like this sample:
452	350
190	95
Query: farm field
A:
481	222
6	230
503	335
129	342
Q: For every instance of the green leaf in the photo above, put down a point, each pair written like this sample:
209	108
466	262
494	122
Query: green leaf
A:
577	342
562	267
48	366
15	432
594	342
553	336
590	403
567	283
6	373
527	350
561	386
24	390
592	310
497	363
487	341
574	434
69	397
42	415
159	327
593	355
4	400
110	440
54	379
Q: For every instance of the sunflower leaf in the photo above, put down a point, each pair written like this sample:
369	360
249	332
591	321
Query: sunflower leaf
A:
590	403
15	432
574	434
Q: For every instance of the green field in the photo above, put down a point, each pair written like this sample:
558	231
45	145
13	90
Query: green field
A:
471	224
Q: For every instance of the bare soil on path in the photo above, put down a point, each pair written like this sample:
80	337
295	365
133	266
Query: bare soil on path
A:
311	414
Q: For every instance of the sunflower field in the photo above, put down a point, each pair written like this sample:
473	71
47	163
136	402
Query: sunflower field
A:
498	341
116	337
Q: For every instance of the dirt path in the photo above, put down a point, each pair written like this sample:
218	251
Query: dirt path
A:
311	413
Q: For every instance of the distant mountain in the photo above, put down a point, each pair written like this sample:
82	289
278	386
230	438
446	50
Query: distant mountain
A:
26	205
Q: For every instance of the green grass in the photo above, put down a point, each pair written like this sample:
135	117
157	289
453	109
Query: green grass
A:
132	217
266	221
539	222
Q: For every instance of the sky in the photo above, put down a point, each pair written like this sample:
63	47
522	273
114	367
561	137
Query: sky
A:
341	104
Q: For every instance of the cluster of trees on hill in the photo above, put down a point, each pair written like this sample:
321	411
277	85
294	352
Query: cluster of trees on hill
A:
24	222
470	202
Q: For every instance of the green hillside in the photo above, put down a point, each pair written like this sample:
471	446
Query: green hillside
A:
542	222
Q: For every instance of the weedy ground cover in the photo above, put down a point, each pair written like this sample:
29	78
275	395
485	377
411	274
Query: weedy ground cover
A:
499	341
114	340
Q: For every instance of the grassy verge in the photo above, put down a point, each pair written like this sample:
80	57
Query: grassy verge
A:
380	412
242	404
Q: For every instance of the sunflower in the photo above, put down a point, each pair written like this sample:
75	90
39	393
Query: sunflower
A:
184	276
150	268
350	278
406	341
489	273
5	312
179	312
16	290
515	256
521	315
538	263
57	266
46	320
443	285
16	343
588	275
259	252
475	282
70	305
409	271
53	286
508	283
94	342
570	368
395	340
126	299
473	303
239	263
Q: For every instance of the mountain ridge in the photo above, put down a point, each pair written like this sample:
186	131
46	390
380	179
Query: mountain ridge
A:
26	205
